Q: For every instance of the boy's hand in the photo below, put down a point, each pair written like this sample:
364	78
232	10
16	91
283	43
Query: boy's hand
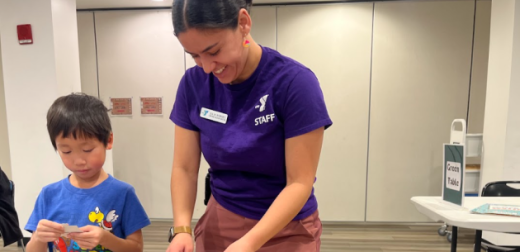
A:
48	231
91	237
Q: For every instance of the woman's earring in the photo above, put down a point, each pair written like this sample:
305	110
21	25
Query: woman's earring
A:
246	43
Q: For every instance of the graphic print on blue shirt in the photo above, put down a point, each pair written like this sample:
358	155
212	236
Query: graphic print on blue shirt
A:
97	217
112	206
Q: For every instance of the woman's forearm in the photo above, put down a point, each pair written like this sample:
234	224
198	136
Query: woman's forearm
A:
183	192
283	210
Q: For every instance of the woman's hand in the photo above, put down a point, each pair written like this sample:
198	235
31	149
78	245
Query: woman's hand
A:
182	242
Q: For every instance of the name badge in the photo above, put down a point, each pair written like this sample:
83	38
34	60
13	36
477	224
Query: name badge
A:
213	115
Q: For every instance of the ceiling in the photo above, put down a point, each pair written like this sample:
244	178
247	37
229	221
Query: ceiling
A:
108	4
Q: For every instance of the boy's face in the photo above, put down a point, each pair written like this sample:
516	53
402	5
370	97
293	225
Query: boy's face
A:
83	156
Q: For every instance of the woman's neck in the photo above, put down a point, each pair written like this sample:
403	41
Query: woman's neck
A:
252	61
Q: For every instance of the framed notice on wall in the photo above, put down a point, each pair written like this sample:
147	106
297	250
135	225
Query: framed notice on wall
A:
121	106
151	105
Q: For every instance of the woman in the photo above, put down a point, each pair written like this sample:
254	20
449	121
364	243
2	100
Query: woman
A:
259	118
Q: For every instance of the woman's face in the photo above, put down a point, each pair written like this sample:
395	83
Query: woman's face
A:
219	51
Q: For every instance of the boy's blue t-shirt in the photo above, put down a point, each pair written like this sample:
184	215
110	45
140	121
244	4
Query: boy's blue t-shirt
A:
111	205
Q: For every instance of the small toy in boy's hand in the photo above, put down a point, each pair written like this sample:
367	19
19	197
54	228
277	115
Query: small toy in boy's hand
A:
71	229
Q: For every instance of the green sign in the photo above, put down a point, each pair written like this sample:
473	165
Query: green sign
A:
453	175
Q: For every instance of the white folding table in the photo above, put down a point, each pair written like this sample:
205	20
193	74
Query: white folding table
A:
456	216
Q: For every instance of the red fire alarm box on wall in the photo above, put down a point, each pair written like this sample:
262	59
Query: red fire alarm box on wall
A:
25	34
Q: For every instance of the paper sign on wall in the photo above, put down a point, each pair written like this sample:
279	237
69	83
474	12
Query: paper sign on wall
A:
151	105
121	106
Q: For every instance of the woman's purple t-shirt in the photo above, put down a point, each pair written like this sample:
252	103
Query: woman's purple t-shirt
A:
281	100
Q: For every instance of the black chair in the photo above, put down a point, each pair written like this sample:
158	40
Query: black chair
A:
9	225
499	189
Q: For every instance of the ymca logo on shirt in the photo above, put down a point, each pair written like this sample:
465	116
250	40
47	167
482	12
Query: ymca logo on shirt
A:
263	100
261	108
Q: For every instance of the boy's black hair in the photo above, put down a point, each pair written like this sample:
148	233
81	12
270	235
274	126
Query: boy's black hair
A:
79	115
207	14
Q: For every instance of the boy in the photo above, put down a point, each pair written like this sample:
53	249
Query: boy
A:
107	210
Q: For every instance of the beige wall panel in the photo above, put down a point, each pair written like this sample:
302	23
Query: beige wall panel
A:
5	156
480	65
420	84
335	42
87	52
138	56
